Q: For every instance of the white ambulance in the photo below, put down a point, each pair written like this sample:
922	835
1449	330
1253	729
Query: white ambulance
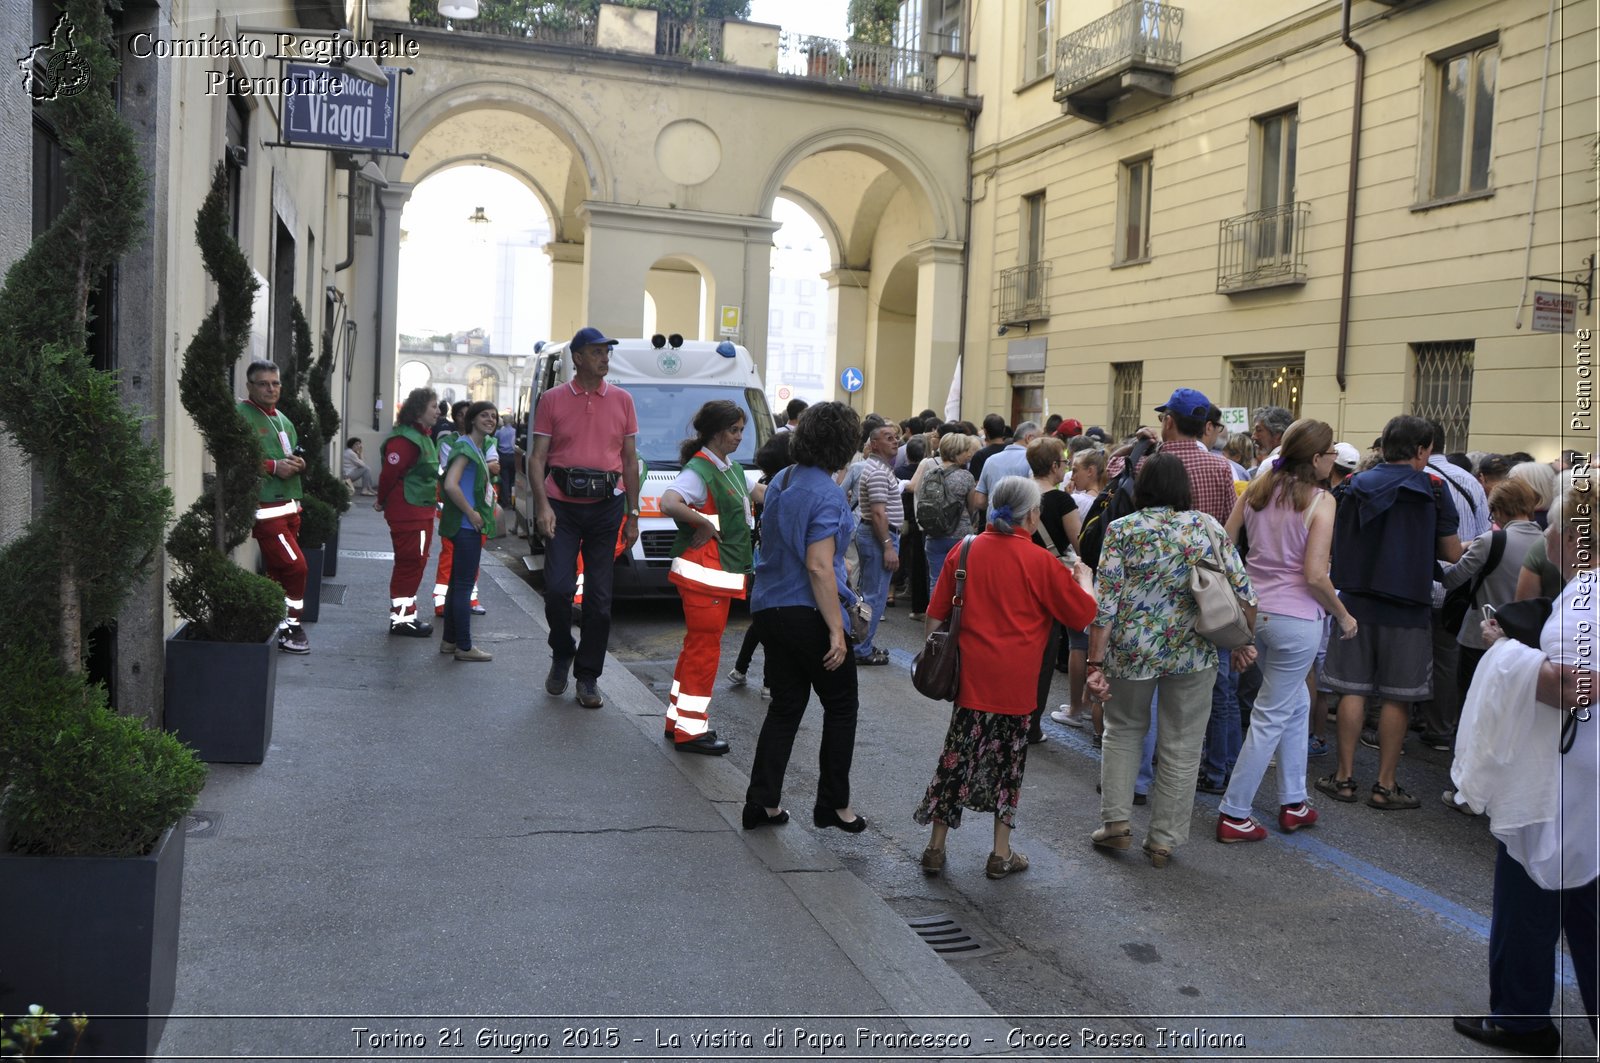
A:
670	378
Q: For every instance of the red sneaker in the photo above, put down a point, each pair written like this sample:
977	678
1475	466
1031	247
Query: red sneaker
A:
1292	817
1230	830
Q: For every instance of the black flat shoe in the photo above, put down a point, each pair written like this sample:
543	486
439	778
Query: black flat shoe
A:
412	629
756	816
827	817
708	744
1543	1042
556	682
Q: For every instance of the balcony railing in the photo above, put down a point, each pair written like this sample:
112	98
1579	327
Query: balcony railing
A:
1136	48
856	63
689	39
1263	249
575	30
1025	293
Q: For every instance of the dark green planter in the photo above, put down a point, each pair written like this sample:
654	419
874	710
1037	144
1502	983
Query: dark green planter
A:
313	599
330	554
218	696
97	935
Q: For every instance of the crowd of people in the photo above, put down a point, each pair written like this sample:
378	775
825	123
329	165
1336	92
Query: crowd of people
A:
1371	582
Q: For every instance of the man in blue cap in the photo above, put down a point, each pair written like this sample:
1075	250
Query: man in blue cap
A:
583	474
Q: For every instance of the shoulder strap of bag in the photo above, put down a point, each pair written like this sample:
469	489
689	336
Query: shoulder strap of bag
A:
1497	549
961	588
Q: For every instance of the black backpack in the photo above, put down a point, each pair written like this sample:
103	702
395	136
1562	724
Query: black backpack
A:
1115	501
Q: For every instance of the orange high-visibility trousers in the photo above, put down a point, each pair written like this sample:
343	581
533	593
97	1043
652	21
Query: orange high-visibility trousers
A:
706	617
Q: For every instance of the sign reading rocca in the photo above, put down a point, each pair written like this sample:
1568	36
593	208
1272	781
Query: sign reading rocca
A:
327	108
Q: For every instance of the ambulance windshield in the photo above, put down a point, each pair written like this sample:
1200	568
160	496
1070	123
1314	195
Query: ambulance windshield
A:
666	410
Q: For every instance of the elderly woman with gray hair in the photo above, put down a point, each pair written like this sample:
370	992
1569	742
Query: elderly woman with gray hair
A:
1014	593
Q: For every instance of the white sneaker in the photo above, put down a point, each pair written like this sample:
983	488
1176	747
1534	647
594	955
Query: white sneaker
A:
1066	716
736	677
766	692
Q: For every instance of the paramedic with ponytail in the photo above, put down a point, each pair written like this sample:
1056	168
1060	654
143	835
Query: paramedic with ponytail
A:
711	562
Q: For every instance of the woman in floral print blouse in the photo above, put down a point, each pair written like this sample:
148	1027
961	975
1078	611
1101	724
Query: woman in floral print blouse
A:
1143	642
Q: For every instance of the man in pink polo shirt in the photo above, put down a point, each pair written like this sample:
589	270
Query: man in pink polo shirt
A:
584	474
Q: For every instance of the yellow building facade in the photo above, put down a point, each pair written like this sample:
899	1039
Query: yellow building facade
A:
1161	197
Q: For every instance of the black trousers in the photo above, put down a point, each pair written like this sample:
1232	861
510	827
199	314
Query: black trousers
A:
795	639
590	527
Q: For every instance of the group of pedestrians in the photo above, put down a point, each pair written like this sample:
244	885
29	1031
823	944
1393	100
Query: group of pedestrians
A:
1374	580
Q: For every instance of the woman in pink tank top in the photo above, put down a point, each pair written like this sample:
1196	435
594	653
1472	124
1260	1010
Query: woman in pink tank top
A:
1287	523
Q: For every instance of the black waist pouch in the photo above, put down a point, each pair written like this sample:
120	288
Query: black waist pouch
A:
585	483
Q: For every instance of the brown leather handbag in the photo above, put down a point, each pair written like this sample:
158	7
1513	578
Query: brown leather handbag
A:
936	671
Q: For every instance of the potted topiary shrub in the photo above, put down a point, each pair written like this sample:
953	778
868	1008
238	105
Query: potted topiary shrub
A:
91	854
319	385
222	663
326	496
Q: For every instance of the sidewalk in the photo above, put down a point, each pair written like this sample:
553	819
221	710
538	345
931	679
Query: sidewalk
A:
437	847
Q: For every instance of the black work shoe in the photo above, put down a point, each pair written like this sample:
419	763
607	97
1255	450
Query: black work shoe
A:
1542	1042
292	639
416	629
588	694
708	743
556	682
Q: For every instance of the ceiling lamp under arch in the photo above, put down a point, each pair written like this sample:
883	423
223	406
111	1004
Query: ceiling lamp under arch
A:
460	10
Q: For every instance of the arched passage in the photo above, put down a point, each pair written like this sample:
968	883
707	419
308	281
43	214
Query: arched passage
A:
679	292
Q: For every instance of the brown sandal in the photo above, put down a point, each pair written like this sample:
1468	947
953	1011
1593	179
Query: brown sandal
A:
1337	788
1104	838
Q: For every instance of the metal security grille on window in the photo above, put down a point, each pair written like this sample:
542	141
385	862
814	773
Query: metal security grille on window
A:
1444	388
1127	392
1275	383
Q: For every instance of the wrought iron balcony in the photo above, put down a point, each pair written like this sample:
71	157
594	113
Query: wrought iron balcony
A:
575	29
1262	249
856	63
1025	293
1134	50
689	39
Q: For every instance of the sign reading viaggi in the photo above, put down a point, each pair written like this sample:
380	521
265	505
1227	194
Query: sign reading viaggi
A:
327	108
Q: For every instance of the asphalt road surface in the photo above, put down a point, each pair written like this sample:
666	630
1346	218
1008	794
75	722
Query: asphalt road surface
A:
1358	938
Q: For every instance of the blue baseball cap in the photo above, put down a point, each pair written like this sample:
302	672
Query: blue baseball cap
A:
588	336
1186	402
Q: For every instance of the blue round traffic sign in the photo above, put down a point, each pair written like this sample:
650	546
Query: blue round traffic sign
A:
852	379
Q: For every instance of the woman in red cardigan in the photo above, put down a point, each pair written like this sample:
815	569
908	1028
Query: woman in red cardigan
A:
1015	591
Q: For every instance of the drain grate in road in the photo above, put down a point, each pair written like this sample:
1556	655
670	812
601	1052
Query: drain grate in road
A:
198	824
946	936
333	593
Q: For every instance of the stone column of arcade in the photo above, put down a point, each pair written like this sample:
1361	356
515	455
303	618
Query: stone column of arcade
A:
377	292
847	334
566	289
940	264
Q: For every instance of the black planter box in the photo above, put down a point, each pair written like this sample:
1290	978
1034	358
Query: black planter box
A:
97	935
314	570
219	696
330	556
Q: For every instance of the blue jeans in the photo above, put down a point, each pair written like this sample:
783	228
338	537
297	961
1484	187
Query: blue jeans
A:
938	550
1147	767
463	573
1223	735
874	580
1281	719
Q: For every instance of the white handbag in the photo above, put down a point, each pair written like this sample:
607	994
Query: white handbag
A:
1219	614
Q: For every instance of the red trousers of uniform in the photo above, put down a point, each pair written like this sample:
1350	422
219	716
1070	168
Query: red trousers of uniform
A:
706	617
411	543
279	538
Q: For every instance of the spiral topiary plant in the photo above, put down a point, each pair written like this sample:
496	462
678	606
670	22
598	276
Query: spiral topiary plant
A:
221	601
326	496
75	777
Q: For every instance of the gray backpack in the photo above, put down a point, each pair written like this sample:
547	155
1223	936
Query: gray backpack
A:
937	514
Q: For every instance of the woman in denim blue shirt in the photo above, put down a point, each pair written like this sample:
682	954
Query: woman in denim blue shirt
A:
800	608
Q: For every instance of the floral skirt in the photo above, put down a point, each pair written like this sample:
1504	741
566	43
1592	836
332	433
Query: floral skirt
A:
980	768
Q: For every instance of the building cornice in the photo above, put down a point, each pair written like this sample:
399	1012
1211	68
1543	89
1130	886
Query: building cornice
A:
634	218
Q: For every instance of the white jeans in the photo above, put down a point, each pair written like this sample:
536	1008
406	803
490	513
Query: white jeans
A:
1280	722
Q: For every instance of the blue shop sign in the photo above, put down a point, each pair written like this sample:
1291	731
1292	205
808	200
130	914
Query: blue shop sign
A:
325	107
